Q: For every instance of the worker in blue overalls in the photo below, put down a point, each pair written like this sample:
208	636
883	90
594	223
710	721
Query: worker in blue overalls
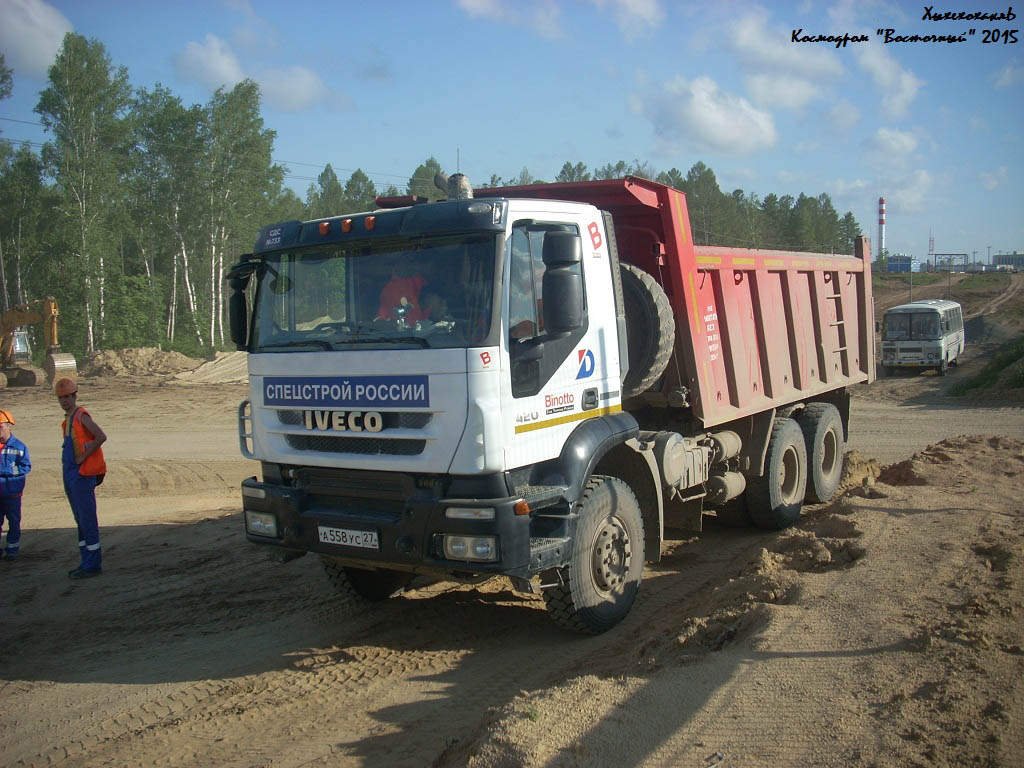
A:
84	469
14	466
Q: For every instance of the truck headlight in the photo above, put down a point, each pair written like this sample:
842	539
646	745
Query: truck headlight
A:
478	548
261	524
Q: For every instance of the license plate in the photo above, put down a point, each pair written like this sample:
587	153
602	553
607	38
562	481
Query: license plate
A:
347	537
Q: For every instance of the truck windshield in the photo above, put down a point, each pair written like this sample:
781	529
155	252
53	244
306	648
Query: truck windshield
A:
430	292
911	325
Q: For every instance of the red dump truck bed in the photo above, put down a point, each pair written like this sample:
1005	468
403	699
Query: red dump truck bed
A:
755	329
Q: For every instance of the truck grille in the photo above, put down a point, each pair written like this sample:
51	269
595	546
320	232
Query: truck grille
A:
373	446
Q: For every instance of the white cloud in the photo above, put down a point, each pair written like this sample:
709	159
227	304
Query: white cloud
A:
1010	75
843	188
843	116
782	91
994	180
888	141
295	89
31	34
764	47
899	86
543	18
635	17
907	192
698	111
211	63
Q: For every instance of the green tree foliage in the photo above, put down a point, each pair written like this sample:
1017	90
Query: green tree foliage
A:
24	230
6	79
359	193
612	171
327	198
84	107
572	172
421	183
672	178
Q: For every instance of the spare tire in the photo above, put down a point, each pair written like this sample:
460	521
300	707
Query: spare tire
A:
650	329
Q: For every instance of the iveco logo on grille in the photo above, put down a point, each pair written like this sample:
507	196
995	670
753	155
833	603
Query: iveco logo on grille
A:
343	421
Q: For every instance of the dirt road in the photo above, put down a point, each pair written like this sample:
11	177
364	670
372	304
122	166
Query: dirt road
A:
884	630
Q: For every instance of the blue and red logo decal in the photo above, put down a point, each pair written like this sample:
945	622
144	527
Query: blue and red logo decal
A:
587	364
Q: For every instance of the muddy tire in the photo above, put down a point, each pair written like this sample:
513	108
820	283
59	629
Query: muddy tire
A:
823	439
651	328
775	499
357	587
597	588
943	367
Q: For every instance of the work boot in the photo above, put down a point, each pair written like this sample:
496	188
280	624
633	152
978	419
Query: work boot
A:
82	573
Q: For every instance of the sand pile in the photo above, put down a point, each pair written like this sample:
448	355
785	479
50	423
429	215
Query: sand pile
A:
226	367
137	361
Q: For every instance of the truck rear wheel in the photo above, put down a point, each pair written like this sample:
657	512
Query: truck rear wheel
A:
358	586
651	328
823	438
598	586
774	500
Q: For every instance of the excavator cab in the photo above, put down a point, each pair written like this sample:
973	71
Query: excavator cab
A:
21	352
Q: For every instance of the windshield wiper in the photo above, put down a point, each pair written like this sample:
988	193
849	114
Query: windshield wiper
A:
298	343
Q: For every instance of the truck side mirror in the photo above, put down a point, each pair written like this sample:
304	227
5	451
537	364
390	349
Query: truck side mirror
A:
238	317
562	284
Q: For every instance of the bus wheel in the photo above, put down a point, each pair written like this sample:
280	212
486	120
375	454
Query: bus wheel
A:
943	367
823	438
597	588
774	500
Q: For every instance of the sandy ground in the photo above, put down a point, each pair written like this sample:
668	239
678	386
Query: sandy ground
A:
887	629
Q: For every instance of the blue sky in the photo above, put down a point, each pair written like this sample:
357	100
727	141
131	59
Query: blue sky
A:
491	86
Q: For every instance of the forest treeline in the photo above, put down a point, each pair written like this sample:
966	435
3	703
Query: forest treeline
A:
136	204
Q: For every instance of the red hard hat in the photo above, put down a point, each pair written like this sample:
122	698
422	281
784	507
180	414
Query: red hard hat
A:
65	387
6	417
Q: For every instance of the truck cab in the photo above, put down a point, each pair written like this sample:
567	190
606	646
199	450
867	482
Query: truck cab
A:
418	381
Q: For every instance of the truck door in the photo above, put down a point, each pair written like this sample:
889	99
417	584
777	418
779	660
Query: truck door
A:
555	382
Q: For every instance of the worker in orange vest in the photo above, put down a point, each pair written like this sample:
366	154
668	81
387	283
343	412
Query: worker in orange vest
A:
84	469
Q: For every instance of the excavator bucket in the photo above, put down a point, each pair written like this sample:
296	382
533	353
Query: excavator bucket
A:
58	365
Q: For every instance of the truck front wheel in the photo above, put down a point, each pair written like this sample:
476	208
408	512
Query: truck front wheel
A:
774	500
598	586
823	438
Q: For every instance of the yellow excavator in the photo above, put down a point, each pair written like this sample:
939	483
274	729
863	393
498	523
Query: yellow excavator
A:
16	367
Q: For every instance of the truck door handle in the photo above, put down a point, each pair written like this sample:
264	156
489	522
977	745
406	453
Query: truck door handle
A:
589	399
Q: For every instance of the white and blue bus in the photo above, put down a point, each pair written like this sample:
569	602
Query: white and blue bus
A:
928	333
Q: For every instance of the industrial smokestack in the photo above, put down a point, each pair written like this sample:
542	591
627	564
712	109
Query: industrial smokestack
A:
881	226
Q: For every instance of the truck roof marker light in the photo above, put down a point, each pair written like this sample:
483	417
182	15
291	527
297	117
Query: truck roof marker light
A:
522	508
370	222
346	225
325	227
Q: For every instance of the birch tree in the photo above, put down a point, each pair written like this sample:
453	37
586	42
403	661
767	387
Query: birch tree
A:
84	108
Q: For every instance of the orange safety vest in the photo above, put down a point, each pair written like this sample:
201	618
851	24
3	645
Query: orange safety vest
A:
94	465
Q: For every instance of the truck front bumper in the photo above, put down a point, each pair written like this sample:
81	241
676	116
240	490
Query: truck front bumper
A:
436	536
